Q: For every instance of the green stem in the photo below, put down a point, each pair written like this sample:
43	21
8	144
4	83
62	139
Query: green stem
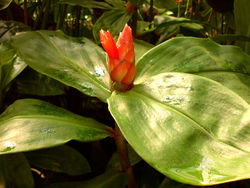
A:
123	156
179	10
187	7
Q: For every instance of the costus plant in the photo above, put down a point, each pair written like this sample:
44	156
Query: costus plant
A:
186	112
121	58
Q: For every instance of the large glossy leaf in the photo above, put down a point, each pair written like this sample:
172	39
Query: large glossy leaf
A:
113	20
76	62
10	65
226	64
31	124
63	159
15	171
188	127
242	19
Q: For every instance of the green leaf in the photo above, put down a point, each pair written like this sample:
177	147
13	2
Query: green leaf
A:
188	127
230	38
166	4
30	124
4	4
10	28
72	162
87	3
200	56
242	19
10	65
166	21
141	47
15	171
168	183
114	162
76	62
34	83
107	180
113	20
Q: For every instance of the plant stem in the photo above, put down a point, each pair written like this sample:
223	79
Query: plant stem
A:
123	156
187	7
179	9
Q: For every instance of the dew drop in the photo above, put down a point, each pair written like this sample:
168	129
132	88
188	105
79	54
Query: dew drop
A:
8	146
99	72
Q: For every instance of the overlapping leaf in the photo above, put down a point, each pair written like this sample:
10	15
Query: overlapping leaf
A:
193	128
30	124
63	159
78	63
11	65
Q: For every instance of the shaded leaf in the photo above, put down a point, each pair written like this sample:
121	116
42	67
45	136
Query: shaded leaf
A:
10	28
166	4
11	65
106	180
30	124
114	162
113	20
168	183
242	19
230	38
4	4
34	83
15	171
76	62
62	159
86	3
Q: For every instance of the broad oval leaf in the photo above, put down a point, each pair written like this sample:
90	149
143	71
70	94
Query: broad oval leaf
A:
76	62
228	65
191	55
188	127
31	124
72	162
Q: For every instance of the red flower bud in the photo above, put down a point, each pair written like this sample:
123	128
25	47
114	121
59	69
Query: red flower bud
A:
121	63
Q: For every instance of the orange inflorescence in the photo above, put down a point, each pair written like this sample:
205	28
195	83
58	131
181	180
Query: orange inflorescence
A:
121	63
